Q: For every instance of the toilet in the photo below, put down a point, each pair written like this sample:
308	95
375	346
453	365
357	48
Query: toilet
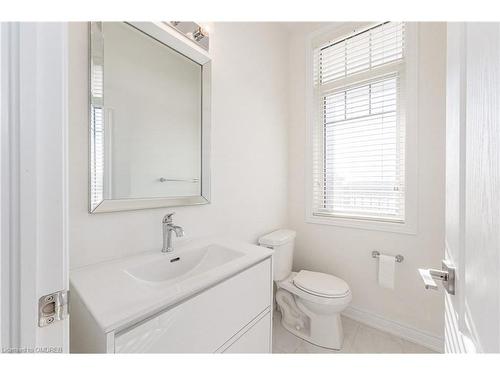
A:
310	302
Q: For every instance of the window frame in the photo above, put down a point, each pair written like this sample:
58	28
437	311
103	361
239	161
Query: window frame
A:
316	39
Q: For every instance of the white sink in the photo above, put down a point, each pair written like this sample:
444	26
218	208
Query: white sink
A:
176	266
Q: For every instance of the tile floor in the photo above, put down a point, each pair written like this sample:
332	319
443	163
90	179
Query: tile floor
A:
358	338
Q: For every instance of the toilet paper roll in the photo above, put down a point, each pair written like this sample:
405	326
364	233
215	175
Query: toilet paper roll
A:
386	268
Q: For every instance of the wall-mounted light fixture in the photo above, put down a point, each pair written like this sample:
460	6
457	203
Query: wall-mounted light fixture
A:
192	31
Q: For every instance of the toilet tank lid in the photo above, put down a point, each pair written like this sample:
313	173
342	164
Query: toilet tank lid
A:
277	238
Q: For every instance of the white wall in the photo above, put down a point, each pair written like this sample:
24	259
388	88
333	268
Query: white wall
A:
249	149
346	252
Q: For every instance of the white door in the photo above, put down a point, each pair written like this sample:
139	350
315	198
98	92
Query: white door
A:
34	252
472	320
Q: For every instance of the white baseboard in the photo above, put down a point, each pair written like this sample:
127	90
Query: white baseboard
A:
416	336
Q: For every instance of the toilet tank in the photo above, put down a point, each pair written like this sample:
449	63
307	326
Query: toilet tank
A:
282	242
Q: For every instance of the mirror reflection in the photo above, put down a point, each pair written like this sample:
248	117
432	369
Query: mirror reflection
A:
146	117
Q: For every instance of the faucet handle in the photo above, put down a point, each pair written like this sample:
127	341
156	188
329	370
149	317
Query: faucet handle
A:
167	219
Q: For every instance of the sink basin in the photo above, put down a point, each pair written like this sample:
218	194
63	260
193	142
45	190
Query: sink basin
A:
175	266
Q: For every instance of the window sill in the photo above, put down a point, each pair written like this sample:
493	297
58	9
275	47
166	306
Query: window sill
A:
384	226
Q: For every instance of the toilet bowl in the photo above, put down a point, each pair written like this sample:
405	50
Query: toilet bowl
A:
318	314
310	302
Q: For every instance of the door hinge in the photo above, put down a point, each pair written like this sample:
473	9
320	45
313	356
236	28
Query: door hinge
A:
53	307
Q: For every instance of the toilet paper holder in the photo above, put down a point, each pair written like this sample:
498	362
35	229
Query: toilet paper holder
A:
399	257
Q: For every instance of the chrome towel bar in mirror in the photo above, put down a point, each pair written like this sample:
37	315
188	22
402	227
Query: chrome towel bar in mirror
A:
193	180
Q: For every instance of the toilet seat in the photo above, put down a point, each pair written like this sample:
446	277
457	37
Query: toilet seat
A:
290	286
321	284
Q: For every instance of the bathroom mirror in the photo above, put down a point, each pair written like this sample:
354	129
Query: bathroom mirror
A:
149	118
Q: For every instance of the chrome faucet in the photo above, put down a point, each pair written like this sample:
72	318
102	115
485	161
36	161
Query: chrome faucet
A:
168	228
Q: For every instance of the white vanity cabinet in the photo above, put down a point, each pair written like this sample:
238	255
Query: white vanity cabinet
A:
233	315
207	321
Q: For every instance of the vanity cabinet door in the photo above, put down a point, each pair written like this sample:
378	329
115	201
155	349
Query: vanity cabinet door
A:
256	340
203	323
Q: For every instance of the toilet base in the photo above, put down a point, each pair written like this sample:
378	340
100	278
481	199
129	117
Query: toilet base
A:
333	340
322	330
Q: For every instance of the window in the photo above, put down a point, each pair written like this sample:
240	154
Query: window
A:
359	120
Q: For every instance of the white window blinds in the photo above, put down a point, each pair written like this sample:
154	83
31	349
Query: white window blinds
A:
97	137
358	133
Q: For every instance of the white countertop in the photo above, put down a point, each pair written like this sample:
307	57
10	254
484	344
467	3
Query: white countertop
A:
117	300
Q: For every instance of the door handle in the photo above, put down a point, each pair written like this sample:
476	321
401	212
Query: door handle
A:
426	276
446	274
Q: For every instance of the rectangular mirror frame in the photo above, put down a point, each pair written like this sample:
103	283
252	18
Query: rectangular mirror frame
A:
171	38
